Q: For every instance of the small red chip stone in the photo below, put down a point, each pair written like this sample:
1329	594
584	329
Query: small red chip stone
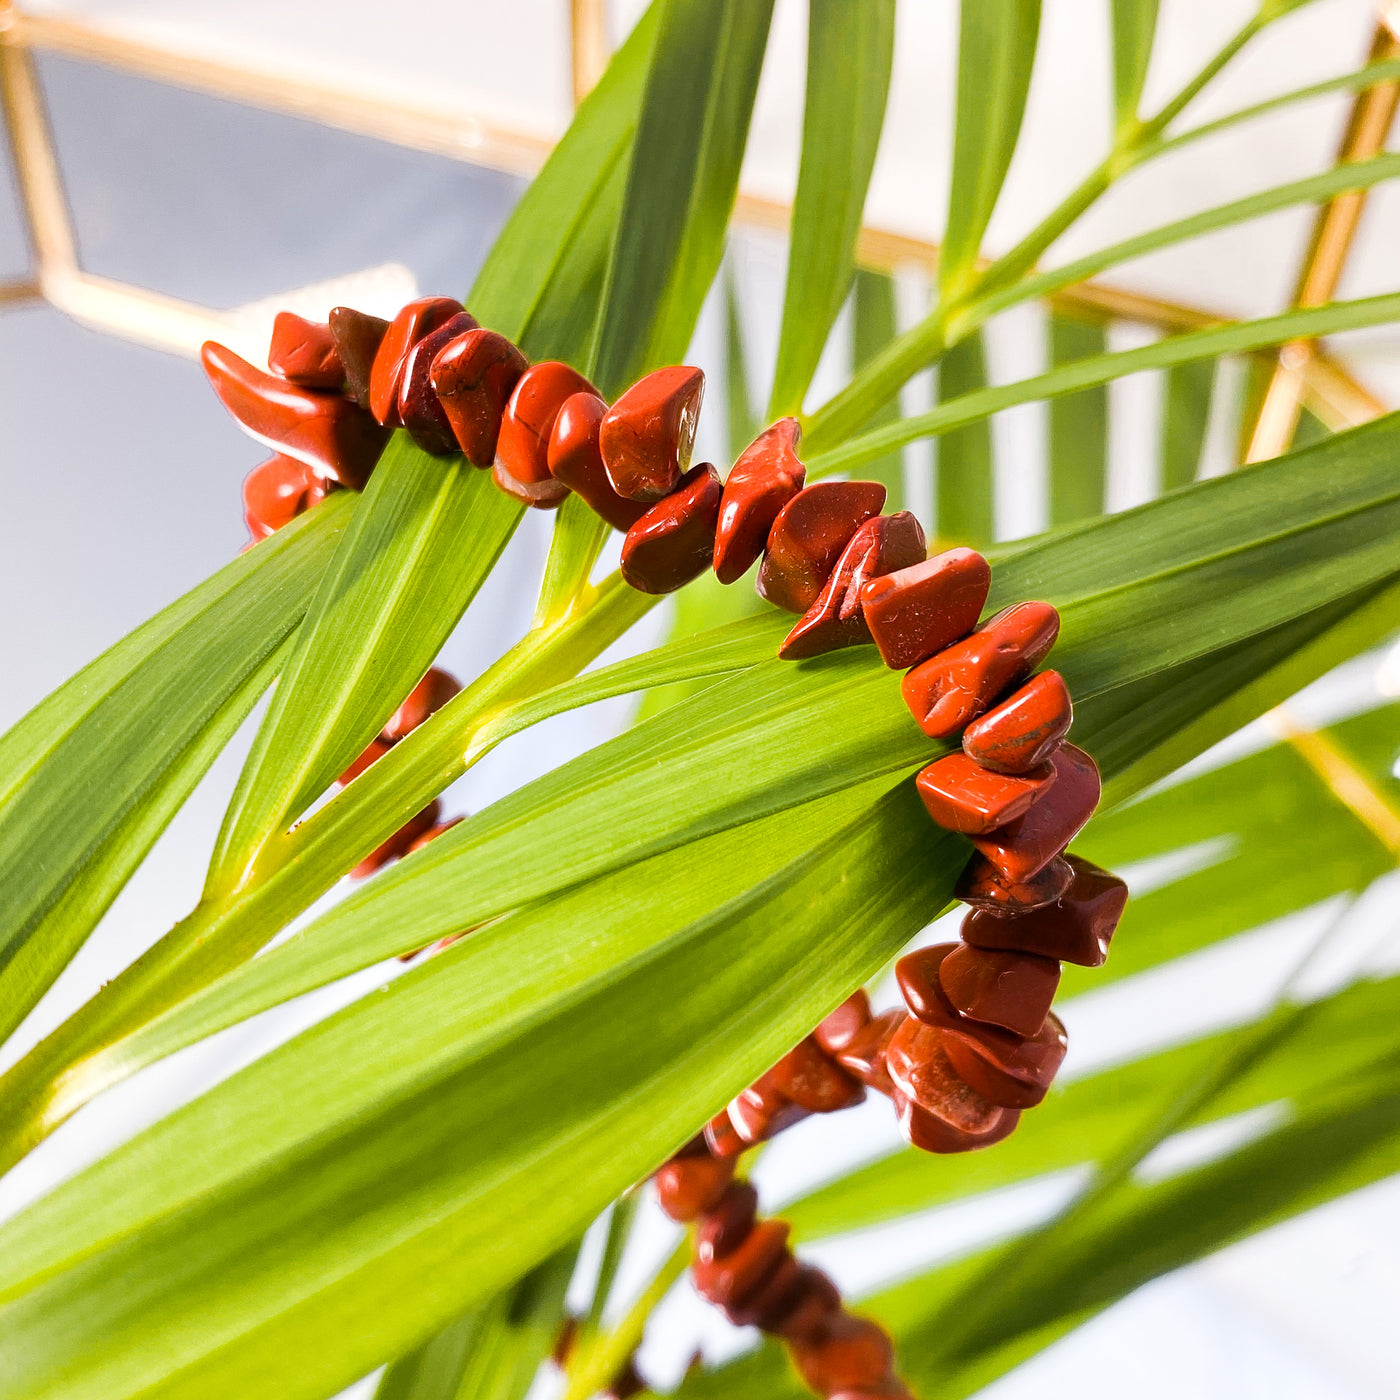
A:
983	886
574	459
926	607
963	796
304	353
522	447
764	479
647	435
1008	989
674	541
474	376
425	699
276	491
357	337
413	322
420	409
808	536
1023	731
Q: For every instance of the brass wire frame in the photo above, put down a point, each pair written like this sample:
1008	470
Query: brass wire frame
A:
1305	374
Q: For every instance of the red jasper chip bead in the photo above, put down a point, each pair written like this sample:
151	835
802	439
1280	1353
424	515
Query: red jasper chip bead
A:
863	1056
722	1138
808	537
837	1030
951	689
1022	732
772	1300
811	1080
744	1270
541	495
922	608
647	435
275	492
815	1300
674	541
357	338
923	1072
835	620
575	459
401	841
425	699
963	796
1008	989
846	1352
327	432
727	1223
413	322
688	1186
1021	849
474	375
762	1111
522	448
419	408
930	1133
983	886
374	751
304	353
1076	928
764	479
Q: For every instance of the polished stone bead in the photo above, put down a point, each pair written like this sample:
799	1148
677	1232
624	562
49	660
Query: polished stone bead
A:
327	432
357	338
772	1301
813	1081
474	376
1076	928
522	447
1022	848
838	1029
847	1353
275	492
921	1071
727	1223
1011	990
575	460
963	796
764	479
835	620
863	1056
1014	1071
414	321
743	1271
373	752
647	435
983	886
688	1186
815	1299
808	537
951	689
673	542
1022	732
542	495
924	607
426	698
722	1138
763	1110
400	842
304	353
419	408
930	1133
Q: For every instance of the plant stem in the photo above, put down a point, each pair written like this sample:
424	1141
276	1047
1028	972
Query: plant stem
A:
881	378
596	1364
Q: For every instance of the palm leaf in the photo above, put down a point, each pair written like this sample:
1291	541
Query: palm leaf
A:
1078	428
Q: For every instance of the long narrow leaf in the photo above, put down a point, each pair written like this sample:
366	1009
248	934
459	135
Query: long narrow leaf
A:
966	485
1185	416
873	326
1078	428
1134	23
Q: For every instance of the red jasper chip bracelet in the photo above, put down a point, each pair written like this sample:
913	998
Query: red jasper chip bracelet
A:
978	1043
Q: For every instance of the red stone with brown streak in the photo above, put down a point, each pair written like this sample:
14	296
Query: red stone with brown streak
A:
930	1133
927	606
983	886
923	1072
304	353
1076	928
575	460
808	536
764	479
474	376
327	432
881	544
743	1271
812	1080
863	1056
1011	990
522	448
426	698
963	796
542	495
419	408
1023	848
674	541
1022	732
951	689
357	338
647	435
816	1299
770	1303
413	322
278	490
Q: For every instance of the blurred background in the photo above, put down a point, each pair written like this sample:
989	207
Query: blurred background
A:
184	171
